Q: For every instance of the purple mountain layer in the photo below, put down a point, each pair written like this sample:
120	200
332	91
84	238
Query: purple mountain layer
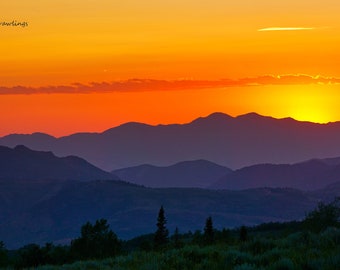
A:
23	163
230	141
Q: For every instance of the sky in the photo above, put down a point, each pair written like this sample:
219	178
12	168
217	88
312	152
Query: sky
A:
71	66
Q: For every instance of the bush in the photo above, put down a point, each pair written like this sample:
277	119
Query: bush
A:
235	257
282	264
245	266
258	245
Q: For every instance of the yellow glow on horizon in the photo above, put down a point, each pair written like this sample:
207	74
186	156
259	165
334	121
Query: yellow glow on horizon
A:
63	114
312	103
312	106
285	29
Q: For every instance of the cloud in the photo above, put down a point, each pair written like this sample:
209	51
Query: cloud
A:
139	85
285	29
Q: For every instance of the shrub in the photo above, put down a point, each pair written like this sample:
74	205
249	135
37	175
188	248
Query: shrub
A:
282	264
245	266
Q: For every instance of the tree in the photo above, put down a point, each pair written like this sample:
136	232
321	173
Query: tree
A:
209	231
243	234
224	236
325	215
162	234
3	255
96	242
177	243
55	254
30	255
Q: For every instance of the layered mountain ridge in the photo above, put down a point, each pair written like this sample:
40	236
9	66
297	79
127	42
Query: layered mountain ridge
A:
234	142
23	163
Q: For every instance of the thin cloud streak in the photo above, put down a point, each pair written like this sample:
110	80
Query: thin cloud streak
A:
140	85
285	29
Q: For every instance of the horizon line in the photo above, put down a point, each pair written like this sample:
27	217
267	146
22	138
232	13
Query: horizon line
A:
169	124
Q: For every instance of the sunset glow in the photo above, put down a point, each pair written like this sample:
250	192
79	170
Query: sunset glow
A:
285	29
70	66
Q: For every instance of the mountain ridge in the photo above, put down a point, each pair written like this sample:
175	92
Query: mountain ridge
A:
195	173
308	175
21	162
235	142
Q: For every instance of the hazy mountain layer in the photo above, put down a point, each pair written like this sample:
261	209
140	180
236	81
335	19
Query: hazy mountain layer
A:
233	142
197	173
44	211
308	175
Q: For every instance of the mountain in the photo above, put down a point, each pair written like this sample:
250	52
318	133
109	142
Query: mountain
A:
197	173
232	141
309	175
24	163
44	211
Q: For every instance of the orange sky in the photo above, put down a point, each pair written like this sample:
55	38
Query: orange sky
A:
87	41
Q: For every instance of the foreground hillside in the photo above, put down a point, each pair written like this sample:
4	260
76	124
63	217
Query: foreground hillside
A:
311	243
286	246
296	251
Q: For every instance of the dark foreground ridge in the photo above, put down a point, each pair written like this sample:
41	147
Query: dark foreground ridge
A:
268	246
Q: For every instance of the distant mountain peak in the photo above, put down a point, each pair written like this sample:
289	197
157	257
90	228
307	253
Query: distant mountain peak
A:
250	115
126	126
219	115
214	117
21	147
253	116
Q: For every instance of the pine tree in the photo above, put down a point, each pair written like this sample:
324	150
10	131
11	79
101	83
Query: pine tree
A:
162	234
209	231
243	234
3	255
176	239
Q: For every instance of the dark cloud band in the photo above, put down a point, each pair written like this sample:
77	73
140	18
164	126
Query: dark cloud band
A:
138	85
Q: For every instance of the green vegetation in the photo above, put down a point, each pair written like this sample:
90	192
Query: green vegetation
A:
325	215
295	251
3	255
313	243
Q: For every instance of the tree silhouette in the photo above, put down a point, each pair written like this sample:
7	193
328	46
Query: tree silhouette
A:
3	255
243	234
30	255
209	231
325	215
96	241
176	239
162	234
